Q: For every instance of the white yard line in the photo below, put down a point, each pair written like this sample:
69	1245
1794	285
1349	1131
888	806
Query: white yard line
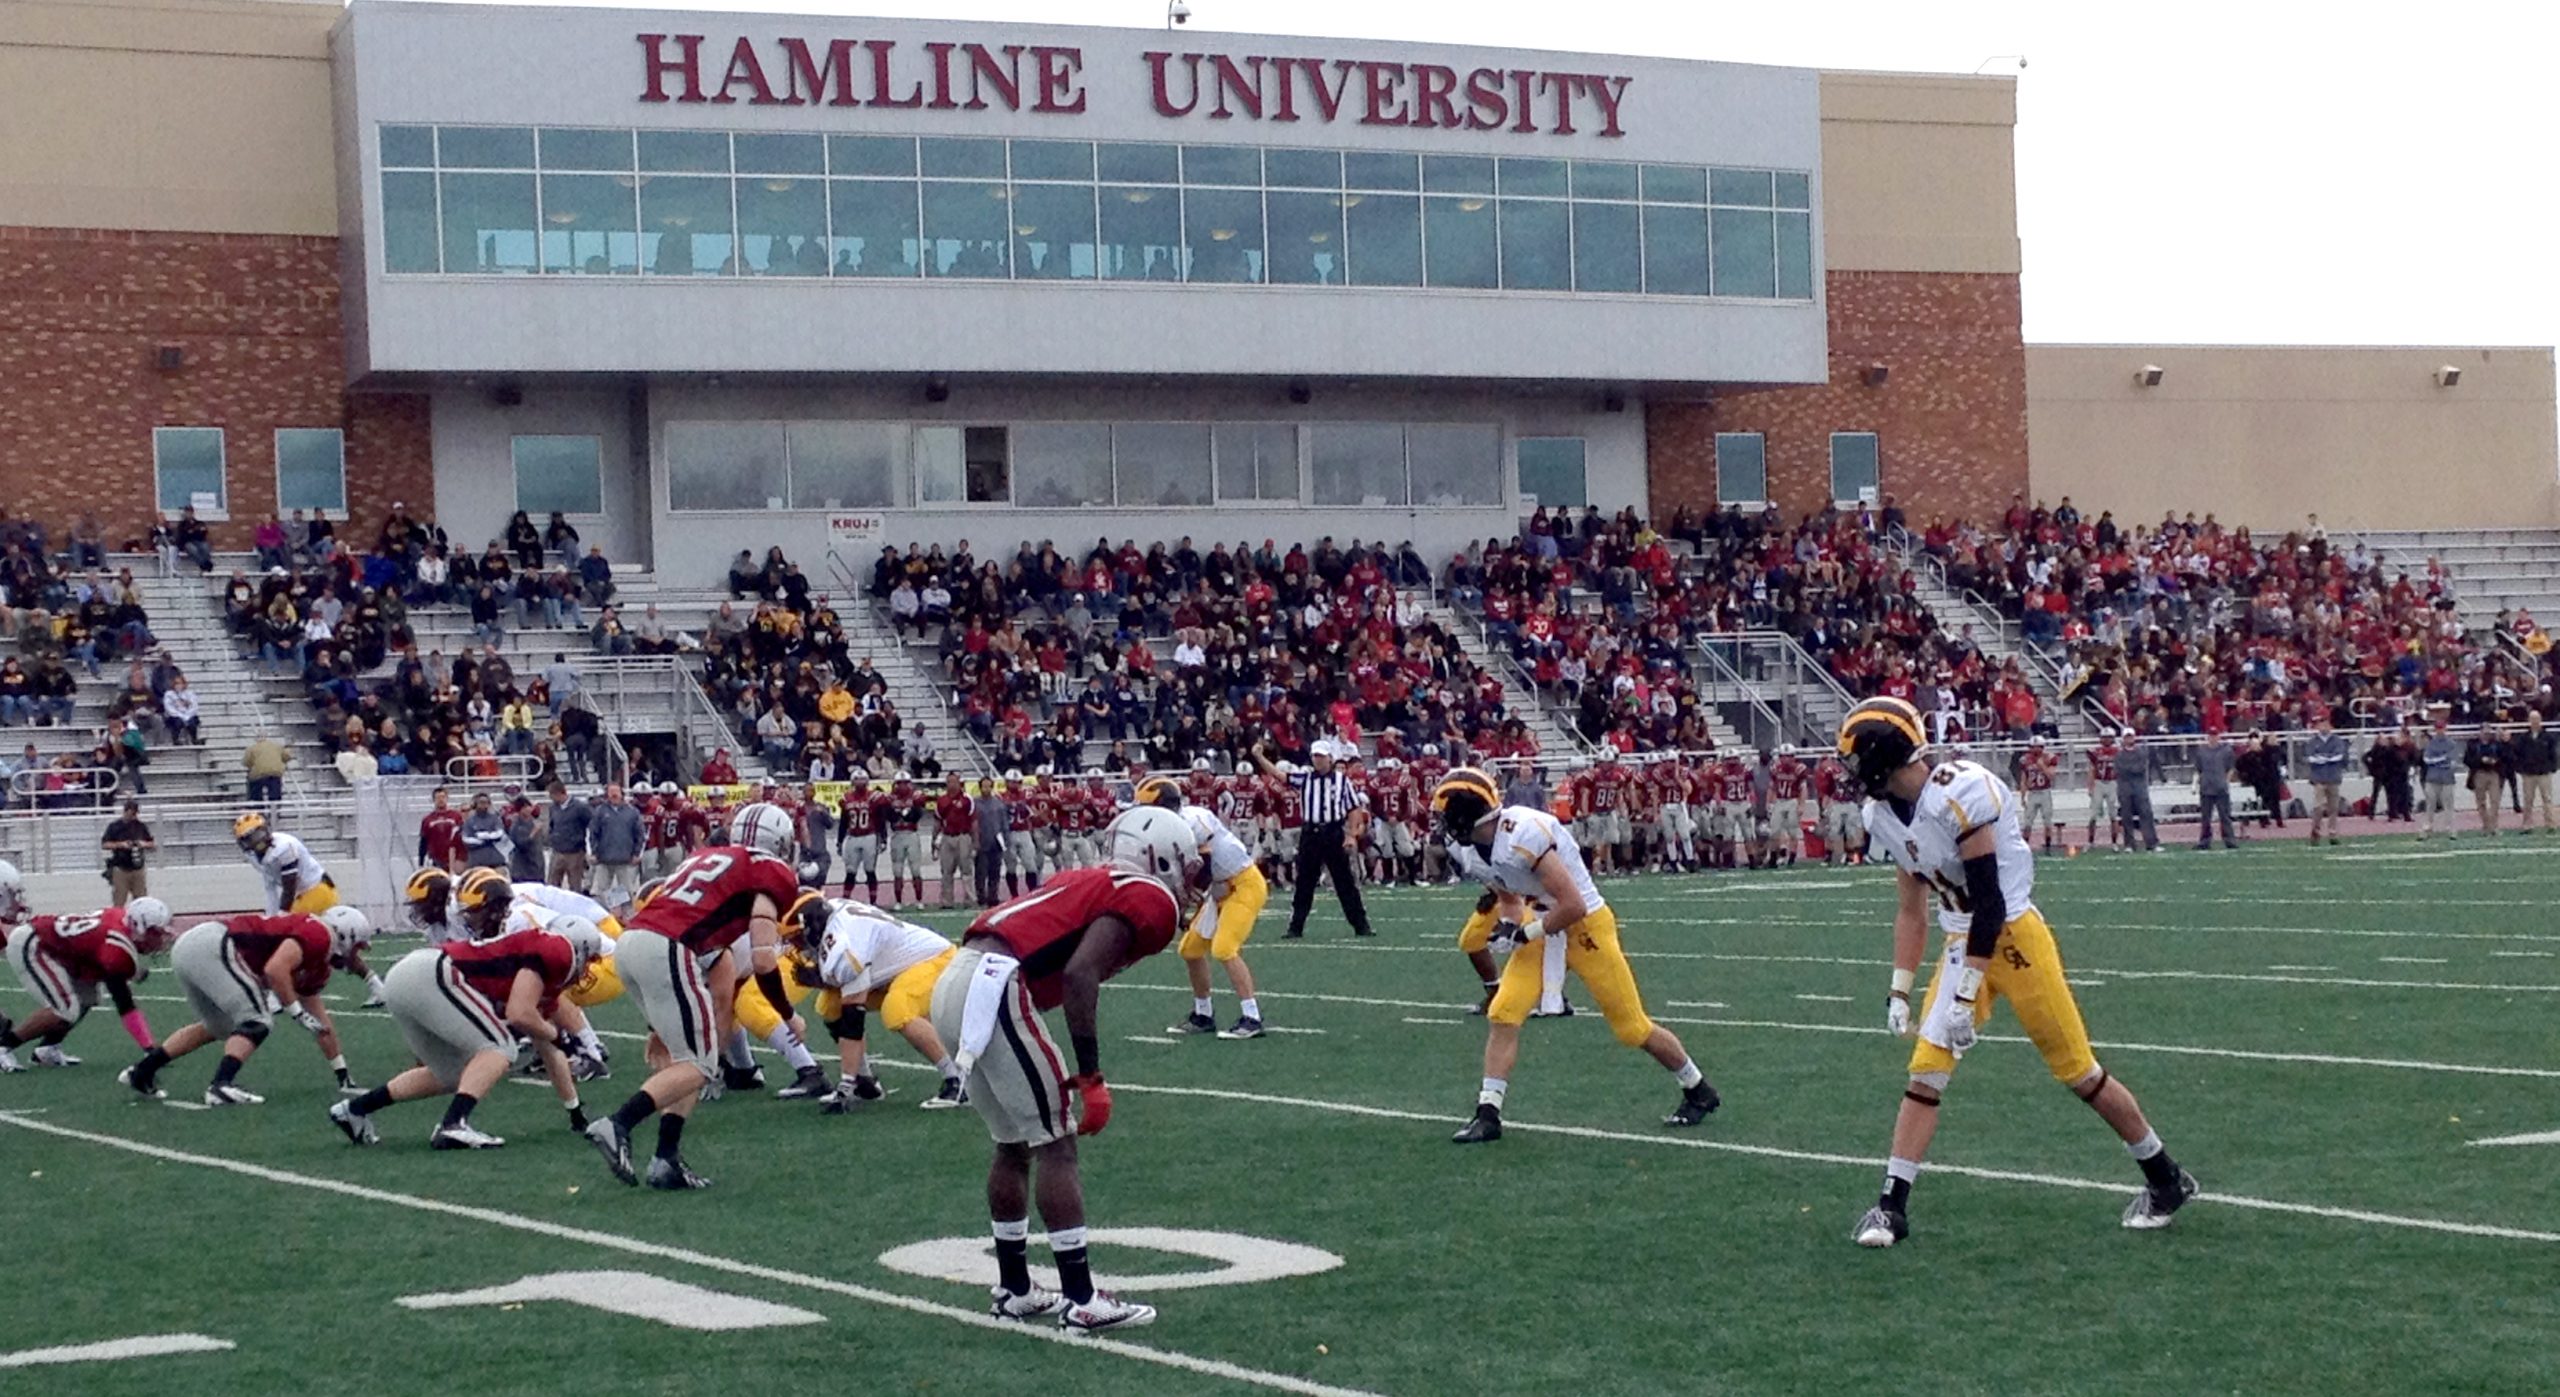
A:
2413	960
2526	955
1830	998
1693	1139
1410	1019
135	1346
974	1319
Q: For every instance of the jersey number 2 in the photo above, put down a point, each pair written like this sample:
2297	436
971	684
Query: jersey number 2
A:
696	877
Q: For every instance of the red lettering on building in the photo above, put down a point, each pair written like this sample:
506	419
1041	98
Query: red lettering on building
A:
1161	83
659	67
1233	83
1056	69
806	80
880	51
744	67
1433	85
984	73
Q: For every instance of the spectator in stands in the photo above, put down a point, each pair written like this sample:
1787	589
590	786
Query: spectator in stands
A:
777	739
608	635
561	537
719	771
595	574
21	778
17	693
560	679
193	540
88	545
265	761
270	542
515	727
55	691
524	542
581	740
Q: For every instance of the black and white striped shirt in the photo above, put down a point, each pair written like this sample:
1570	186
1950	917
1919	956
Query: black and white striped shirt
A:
1327	798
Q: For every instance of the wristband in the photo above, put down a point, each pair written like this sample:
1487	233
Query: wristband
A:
1902	983
1968	984
1088	1054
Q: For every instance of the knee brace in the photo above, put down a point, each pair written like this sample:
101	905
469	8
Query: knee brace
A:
847	1024
2087	1088
255	1030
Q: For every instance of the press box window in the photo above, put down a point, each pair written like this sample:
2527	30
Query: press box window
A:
725	465
1742	468
311	470
563	474
1857	465
963	465
188	463
1551	471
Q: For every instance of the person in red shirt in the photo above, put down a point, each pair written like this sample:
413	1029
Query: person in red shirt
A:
1054	948
693	828
955	818
1734	827
460	1008
665	819
65	961
719	771
679	959
228	968
907	811
2036	768
440	834
1790	783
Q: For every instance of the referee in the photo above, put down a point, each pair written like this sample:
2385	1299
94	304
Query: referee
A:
1334	813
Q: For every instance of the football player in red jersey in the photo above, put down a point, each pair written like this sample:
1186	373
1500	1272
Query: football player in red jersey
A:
460	1008
229	967
678	958
861	817
1045	949
907	809
63	961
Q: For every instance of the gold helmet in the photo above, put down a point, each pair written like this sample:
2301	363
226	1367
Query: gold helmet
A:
804	923
250	831
426	896
1158	790
1878	738
1463	798
480	887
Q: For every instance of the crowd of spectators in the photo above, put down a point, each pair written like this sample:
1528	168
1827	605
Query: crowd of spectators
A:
2190	626
1170	655
61	608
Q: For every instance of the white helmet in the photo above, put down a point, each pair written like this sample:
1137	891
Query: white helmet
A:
147	914
1152	840
1786	749
1608	751
13	891
348	929
1200	764
669	788
584	938
766	828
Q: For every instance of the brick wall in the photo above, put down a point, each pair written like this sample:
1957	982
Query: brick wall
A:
83	315
1951	416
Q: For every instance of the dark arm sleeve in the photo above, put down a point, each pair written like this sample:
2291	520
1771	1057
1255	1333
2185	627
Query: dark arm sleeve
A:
1990	909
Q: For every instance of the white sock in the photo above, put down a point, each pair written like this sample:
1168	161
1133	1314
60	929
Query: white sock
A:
782	1040
735	1052
1687	1073
1495	1088
1200	1005
1013	1230
2147	1146
950	1070
1066	1239
588	1040
1904	1169
1252	1007
373	982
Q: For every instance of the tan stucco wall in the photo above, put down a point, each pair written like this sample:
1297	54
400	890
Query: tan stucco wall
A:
2263	435
1919	173
171	115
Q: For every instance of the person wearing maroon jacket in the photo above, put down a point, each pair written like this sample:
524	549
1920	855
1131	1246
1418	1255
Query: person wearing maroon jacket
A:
860	818
678	958
955	819
907	811
460	1008
440	834
693	828
64	961
228	968
1054	948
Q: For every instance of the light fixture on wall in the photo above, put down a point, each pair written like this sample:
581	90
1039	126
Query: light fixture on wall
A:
170	358
2448	376
1613	401
1300	393
2149	376
937	388
1874	375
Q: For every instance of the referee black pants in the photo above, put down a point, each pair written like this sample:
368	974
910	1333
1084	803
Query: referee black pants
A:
1321	851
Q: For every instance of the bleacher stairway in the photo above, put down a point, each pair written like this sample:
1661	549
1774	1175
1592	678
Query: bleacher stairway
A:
2493	570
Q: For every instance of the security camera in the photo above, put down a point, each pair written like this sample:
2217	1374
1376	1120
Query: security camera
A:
1179	13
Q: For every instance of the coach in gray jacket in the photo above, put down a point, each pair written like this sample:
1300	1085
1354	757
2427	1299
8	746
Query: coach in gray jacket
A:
565	835
615	833
484	835
2134	770
524	841
2325	754
2438	755
995	821
2214	761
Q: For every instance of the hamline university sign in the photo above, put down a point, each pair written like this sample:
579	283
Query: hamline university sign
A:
1049	79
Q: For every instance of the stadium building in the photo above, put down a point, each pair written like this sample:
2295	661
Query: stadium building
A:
706	282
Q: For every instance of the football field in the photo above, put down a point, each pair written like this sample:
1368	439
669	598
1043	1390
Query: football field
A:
2335	1041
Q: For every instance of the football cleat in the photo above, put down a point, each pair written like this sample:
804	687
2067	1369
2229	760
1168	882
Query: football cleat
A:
1880	1226
1105	1311
1245	1028
9	1062
1193	1024
1696	1104
952	1094
811	1082
358	1129
748	1078
226	1094
584	1068
463	1136
867	1088
1035	1303
614	1143
672	1176
1486	1126
374	1000
1480	1008
2151	1209
142	1085
52	1056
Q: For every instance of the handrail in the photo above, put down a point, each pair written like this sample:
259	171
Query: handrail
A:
2032	653
1750	691
1509	664
514	768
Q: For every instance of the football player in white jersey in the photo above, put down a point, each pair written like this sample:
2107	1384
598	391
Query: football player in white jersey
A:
295	882
1225	920
1951	828
864	959
1530	859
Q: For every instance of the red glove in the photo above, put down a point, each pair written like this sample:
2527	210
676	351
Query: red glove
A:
1096	1103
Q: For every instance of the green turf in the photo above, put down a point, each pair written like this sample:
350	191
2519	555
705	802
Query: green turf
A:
1625	1259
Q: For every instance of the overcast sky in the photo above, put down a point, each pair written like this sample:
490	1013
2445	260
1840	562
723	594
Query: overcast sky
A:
2237	172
